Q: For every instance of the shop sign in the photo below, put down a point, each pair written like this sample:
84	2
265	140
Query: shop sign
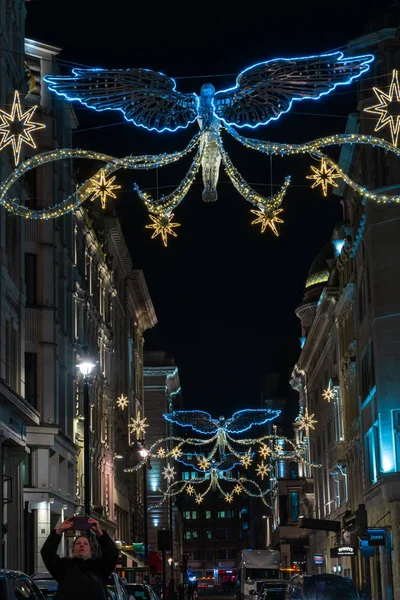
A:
376	537
343	551
319	560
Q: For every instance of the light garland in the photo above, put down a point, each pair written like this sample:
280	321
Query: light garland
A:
324	176
16	127
382	109
122	401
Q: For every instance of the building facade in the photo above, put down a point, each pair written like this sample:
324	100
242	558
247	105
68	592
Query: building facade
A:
351	328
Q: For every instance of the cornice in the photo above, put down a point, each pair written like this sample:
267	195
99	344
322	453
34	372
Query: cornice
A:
144	309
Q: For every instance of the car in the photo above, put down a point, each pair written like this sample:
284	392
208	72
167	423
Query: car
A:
15	585
321	587
116	588
46	584
141	591
273	590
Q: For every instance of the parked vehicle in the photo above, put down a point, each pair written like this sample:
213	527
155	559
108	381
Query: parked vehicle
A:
46	584
273	590
15	585
141	591
116	589
321	587
256	567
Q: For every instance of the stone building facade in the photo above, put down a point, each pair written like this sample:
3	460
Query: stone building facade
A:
351	328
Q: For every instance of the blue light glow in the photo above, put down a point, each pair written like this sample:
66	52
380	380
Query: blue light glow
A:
240	421
302	342
338	246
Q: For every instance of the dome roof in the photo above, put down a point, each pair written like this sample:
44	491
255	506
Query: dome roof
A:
321	265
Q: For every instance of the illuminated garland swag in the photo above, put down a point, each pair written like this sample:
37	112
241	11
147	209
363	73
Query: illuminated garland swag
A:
262	93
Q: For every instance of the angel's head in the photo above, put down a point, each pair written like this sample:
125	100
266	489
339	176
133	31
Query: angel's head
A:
207	90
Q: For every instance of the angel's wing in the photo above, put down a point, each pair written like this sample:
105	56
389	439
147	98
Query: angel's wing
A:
266	90
198	420
230	461
145	97
245	419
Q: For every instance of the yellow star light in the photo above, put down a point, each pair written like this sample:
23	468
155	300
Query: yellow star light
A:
329	394
101	187
16	128
229	498
163	226
267	218
138	425
388	113
278	448
306	421
190	489
237	489
161	452
176	452
199	498
324	176
122	401
262	470
246	460
264	451
204	464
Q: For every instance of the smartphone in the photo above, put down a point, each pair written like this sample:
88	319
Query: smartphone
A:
80	523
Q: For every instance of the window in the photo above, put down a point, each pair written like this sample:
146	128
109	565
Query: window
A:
191	535
221	553
185	475
367	370
294	506
190	514
187	535
195	535
31	278
26	470
245	525
231	553
371	455
208	514
225	514
208	534
209	555
293	470
221	534
31	378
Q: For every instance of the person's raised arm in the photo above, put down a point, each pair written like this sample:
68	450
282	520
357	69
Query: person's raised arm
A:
52	561
106	563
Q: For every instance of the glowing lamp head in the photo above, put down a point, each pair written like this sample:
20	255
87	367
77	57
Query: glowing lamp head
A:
143	452
86	367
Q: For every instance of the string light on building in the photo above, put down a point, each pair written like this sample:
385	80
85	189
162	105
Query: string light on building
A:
16	127
388	108
324	176
122	401
306	421
101	187
138	425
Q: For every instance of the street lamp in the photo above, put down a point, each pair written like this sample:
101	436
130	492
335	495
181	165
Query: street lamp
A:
86	368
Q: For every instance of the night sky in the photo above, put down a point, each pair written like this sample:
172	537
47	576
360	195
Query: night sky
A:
224	294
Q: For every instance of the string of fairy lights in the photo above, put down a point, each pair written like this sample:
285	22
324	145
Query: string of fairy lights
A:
17	129
214	458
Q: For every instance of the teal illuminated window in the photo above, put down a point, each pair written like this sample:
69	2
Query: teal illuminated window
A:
294	506
208	514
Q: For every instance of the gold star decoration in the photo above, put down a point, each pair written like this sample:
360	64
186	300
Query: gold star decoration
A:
324	176
278	448
306	421
237	489
122	401
16	128
388	113
138	425
229	498
101	187
190	489
262	470
163	226
204	464
264	451
199	498
246	460
176	452
161	452
329	394
268	218
169	473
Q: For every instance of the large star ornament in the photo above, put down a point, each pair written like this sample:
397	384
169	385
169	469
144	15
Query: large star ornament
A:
16	128
324	176
101	187
163	226
388	113
268	218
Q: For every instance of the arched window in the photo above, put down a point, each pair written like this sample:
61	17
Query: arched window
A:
293	470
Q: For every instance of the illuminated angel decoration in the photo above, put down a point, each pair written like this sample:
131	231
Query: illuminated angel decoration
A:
262	93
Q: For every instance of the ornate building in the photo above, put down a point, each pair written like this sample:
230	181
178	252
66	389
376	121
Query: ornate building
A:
351	328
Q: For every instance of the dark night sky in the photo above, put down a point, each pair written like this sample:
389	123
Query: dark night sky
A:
224	294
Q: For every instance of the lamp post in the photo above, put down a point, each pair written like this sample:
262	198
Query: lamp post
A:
86	368
145	454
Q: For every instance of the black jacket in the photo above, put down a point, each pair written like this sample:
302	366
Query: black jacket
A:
73	574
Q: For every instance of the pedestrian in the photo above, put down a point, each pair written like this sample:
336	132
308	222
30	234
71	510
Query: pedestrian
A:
80	577
181	591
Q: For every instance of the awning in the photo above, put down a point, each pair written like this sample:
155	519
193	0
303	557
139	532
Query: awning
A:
135	560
